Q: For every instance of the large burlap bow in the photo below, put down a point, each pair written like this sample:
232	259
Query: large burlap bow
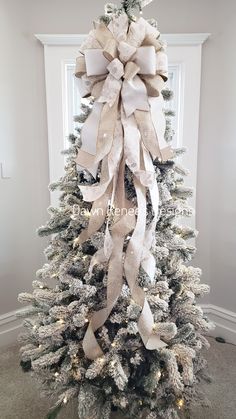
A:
124	67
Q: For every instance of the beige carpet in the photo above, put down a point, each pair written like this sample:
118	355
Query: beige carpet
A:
19	397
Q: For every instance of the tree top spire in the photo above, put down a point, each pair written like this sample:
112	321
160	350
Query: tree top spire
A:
127	6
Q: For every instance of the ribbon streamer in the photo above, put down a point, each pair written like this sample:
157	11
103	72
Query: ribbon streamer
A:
124	66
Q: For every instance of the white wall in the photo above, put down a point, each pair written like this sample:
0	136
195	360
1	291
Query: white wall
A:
23	133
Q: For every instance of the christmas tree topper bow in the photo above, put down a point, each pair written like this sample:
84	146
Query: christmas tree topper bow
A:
124	66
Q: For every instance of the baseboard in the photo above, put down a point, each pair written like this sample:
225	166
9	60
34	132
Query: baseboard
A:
10	326
225	322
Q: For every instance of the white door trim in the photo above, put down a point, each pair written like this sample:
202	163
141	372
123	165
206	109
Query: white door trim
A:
77	39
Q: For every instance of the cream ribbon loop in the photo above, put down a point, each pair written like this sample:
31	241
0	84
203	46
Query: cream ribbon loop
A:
124	66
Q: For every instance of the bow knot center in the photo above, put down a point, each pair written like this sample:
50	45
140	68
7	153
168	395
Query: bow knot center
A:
116	68
126	51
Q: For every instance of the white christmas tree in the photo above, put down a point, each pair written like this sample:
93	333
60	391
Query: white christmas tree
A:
113	319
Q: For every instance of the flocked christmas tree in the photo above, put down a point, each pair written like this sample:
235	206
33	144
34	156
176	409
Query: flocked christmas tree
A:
113	319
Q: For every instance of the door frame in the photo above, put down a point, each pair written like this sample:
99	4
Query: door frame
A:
184	53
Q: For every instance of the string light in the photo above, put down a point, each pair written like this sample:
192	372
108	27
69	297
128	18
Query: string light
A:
76	242
180	403
65	400
113	344
140	402
84	257
86	320
56	374
158	374
61	321
87	214
35	327
41	287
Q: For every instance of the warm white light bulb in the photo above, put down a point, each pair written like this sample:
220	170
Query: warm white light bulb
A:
76	241
180	403
101	360
158	374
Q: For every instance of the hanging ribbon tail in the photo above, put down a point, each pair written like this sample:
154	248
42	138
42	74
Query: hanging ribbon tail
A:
120	229
150	339
131	266
148	262
134	96
97	136
132	152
